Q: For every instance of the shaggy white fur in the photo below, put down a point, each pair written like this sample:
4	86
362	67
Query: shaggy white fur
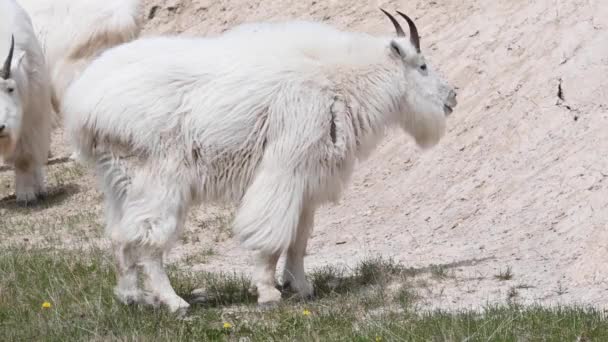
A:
72	33
26	114
271	116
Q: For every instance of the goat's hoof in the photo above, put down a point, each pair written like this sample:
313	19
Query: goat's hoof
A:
182	314
307	293
309	297
41	195
285	287
268	296
177	305
303	296
128	297
150	300
304	292
25	204
26	199
130	301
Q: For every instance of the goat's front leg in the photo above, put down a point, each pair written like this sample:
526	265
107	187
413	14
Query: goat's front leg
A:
127	291
158	287
264	278
152	224
29	180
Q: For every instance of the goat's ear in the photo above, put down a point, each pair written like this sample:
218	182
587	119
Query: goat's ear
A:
397	50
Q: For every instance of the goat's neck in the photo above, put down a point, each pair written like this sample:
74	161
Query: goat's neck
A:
371	96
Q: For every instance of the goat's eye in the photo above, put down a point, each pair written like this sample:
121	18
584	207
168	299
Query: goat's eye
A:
423	67
10	90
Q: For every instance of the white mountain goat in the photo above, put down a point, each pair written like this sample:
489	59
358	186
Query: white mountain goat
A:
72	33
26	114
270	116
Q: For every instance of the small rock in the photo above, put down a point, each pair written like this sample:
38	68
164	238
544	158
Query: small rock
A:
152	12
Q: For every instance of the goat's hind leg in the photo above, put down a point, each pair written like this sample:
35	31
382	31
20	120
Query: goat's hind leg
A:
294	277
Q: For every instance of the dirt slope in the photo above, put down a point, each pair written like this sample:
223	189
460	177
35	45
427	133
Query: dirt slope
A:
520	180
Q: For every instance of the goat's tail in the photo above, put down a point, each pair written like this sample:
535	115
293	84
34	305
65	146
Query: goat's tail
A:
269	214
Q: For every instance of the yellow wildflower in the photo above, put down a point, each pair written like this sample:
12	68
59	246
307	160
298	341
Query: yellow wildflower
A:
46	305
306	312
378	338
227	325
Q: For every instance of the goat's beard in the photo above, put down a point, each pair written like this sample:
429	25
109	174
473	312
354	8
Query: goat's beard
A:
426	128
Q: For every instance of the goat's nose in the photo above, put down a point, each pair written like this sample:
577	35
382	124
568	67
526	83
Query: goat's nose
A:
2	127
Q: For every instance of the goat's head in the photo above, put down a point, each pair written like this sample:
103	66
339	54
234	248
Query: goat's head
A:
427	98
11	109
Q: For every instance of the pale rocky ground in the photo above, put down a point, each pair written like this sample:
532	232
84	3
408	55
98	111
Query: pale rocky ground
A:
520	180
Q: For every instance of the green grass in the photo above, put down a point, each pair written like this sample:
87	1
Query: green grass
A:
373	302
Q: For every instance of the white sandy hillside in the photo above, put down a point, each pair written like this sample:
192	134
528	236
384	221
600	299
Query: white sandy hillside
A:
520	180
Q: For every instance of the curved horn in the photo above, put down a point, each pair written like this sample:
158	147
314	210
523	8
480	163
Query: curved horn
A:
6	69
414	37
398	28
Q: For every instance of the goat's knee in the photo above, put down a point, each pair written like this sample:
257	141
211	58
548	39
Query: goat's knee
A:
150	234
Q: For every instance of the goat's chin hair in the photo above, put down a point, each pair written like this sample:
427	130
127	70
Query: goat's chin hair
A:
426	128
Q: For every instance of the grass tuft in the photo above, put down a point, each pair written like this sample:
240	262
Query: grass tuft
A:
505	275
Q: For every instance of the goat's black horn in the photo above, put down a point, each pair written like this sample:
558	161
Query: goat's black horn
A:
6	69
398	28
414	37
